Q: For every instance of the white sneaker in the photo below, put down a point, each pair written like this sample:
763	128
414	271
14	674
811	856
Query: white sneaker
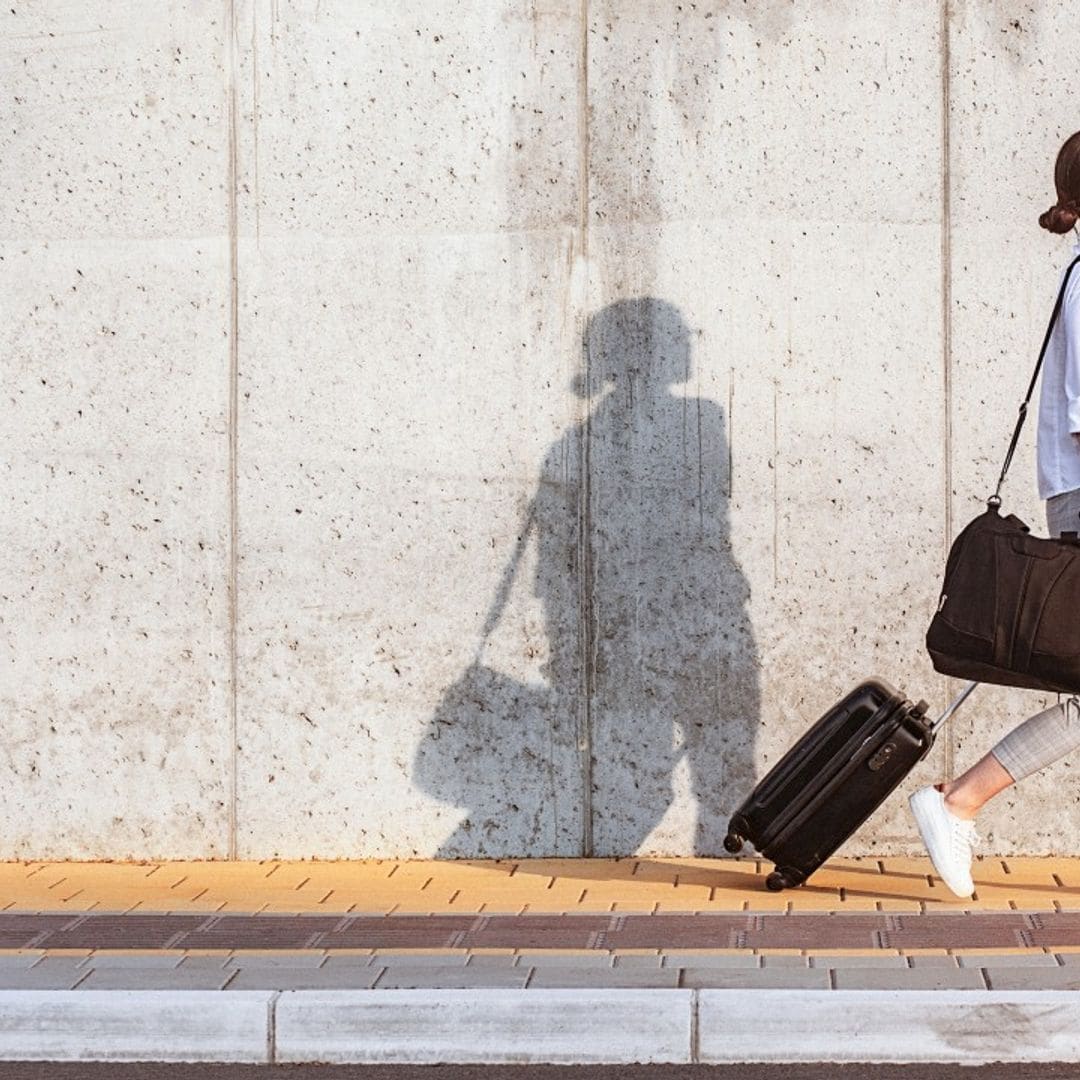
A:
949	840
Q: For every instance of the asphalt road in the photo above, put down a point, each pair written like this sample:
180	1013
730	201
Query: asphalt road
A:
139	1071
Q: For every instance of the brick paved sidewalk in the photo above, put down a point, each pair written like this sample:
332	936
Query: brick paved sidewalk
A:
570	961
635	922
532	886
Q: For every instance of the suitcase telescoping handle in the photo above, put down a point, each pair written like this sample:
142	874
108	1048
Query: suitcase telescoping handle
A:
957	702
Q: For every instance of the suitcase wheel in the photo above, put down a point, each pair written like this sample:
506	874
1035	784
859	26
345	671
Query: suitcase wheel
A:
776	882
733	842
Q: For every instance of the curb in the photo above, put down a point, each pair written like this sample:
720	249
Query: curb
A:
556	1026
967	1027
588	1026
135	1025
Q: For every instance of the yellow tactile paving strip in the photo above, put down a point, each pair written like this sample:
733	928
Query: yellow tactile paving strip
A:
528	886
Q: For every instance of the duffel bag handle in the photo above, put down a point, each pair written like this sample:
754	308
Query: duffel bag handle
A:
995	500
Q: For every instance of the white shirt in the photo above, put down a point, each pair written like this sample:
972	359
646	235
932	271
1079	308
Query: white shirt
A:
1059	402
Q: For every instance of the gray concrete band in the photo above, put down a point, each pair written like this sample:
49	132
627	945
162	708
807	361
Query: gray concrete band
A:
541	1026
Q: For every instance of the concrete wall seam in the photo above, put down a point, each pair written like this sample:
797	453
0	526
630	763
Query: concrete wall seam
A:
232	195
949	754
586	613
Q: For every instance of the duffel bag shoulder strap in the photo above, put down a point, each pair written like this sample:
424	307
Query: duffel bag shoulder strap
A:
995	499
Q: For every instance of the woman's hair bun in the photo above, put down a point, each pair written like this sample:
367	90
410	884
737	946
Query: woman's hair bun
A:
1061	217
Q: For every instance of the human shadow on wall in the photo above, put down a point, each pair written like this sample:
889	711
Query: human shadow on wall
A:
651	664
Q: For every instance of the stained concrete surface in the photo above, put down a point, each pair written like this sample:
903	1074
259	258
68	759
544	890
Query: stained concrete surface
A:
156	1071
114	609
502	429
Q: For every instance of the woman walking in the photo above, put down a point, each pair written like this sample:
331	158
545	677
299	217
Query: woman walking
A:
945	812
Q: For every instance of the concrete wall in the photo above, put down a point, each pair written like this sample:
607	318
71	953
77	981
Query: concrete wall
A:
499	428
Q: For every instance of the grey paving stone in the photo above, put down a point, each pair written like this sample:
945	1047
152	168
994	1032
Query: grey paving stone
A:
249	961
777	978
932	961
305	978
61	964
38	978
1017	960
430	976
638	960
156	979
883	961
1068	959
604	977
707	960
209	961
1034	978
132	960
19	960
334	959
556	959
783	961
415	960
927	978
493	960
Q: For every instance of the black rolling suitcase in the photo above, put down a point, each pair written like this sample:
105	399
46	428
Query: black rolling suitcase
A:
834	778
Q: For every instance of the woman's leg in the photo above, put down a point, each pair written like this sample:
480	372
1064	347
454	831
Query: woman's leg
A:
944	812
1038	742
967	794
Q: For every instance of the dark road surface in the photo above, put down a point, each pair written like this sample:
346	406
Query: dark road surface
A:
138	1071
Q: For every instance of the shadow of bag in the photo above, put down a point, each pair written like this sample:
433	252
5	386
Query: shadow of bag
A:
487	745
1009	608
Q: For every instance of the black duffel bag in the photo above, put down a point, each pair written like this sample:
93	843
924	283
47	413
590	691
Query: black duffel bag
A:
1010	607
1009	611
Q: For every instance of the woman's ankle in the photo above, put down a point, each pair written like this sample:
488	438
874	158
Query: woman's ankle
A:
958	802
